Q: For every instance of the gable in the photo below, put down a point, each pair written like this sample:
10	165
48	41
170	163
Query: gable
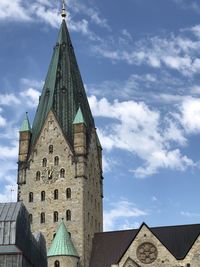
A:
110	247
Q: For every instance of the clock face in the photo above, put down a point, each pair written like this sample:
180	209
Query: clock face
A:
50	174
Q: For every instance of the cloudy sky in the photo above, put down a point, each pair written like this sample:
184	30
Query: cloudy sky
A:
140	62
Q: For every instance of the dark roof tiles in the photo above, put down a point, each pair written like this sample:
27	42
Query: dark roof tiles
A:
109	247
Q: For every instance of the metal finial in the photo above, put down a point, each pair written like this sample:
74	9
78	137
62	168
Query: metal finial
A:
63	13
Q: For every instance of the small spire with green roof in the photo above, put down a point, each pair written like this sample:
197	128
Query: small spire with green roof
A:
79	117
26	127
62	244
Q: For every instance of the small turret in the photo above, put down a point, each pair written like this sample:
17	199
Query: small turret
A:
24	139
24	144
79	134
62	252
99	149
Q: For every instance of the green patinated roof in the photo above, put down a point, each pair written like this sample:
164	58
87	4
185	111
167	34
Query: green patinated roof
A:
25	125
79	117
62	244
63	90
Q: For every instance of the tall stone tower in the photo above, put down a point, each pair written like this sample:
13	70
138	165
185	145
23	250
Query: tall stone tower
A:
60	159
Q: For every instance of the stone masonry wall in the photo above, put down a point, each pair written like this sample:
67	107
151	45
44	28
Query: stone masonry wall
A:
64	261
85	203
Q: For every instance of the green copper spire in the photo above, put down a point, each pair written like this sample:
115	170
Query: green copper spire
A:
63	90
79	117
26	124
62	244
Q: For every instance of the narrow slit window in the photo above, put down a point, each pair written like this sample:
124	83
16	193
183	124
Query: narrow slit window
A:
55	216
62	173
37	175
68	193
44	162
30	197
42	217
50	149
68	215
56	161
56	194
43	196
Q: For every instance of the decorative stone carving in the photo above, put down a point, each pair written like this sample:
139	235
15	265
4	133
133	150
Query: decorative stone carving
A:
147	253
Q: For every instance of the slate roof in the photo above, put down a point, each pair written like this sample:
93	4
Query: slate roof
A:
109	247
16	236
63	90
9	211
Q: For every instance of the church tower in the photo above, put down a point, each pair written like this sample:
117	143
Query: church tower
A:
60	159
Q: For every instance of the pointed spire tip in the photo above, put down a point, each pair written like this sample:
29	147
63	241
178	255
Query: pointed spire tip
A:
63	13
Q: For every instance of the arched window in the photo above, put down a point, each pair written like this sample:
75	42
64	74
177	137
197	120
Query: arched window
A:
56	264
68	215
30	218
62	173
50	149
68	193
30	197
44	162
43	196
42	217
37	175
55	216
56	161
56	194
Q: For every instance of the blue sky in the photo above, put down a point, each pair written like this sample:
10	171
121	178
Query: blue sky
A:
140	62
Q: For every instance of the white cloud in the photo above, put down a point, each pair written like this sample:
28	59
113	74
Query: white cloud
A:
118	215
48	12
193	4
13	10
32	83
136	128
171	51
190	115
9	152
91	12
195	89
2	121
108	163
9	100
32	97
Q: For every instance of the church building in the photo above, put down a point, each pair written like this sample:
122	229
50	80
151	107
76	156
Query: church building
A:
60	183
